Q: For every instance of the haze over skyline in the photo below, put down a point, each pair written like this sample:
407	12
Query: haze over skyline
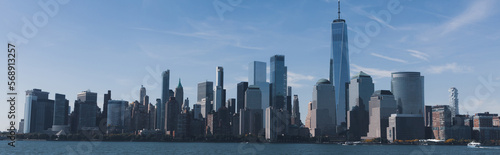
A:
119	46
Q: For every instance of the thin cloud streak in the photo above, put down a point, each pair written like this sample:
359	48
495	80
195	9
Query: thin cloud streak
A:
418	54
389	58
476	12
452	67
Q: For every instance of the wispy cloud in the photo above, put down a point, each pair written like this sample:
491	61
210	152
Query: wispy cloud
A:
389	58
418	54
476	12
452	67
374	72
294	79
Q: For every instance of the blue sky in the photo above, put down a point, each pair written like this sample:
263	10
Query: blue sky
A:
121	45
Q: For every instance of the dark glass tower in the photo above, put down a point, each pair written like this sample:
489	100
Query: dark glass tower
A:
165	94
278	82
339	65
240	95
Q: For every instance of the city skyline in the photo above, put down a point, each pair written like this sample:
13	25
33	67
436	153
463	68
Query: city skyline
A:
74	75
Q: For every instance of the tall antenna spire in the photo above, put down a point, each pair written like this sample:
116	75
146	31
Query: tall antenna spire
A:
339	9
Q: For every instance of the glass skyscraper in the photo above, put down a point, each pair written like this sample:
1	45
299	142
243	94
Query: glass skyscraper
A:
339	65
408	90
278	82
257	76
165	95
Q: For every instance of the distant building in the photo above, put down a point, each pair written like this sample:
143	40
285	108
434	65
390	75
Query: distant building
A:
296	112
231	105
276	123
339	67
483	129
107	97
142	94
139	116
197	112
172	115
158	114
179	93
61	106
39	111
85	111
220	92
165	96
205	97
258	76
405	127
382	106
116	116
251	116
441	120
240	95
308	116
323	110
408	89
21	127
361	87
279	117
454	103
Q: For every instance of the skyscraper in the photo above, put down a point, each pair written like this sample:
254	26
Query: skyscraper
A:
258	76
39	111
231	105
339	65
142	93
360	89
158	114
86	110
165	95
219	89
61	105
205	96
179	93
278	82
296	112
454	102
277	117
116	116
172	115
240	95
251	116
323	109
408	90
382	105
107	97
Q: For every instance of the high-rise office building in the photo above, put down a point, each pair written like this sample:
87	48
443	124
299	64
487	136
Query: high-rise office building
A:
142	94
205	96
39	111
61	105
258	76
296	112
277	117
158	114
172	115
308	116
165	95
323	109
240	95
339	65
408	90
107	97
197	112
220	93
185	105
289	101
231	106
278	82
179	94
381	106
86	110
441	116
251	116
360	89
454	102
116	116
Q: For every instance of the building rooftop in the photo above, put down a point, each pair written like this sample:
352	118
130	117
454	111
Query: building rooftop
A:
382	92
323	81
360	74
